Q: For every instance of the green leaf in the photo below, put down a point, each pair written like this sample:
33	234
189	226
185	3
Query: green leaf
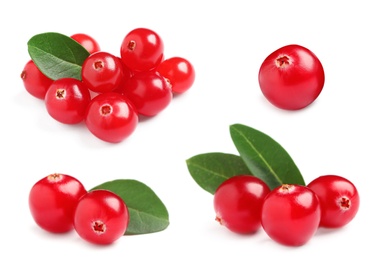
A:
264	157
211	169
57	55
147	212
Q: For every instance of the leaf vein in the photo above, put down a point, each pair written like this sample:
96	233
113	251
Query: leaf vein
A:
271	170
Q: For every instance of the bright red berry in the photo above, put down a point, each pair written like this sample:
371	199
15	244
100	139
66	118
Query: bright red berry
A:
149	92
67	99
111	117
291	214
291	77
35	82
142	49
88	42
179	72
102	72
238	201
339	200
101	217
52	201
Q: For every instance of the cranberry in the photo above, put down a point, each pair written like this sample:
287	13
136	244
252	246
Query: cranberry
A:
35	82
339	200
291	214
179	72
111	117
67	99
149	92
238	201
101	217
52	201
291	77
88	42
102	72
142	49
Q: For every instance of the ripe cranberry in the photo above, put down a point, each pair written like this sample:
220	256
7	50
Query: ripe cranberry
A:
101	217
291	214
35	82
142	50
339	200
111	117
149	92
291	77
179	72
88	42
238	201
67	99
102	72
52	202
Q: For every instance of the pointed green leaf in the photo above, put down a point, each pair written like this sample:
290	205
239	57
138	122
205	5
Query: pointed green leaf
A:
57	55
147	212
209	170
264	157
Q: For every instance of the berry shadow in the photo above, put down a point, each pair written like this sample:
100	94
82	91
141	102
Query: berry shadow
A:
326	231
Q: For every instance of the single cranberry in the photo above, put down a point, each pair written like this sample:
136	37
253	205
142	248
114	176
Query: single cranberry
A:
291	214
339	200
238	201
52	201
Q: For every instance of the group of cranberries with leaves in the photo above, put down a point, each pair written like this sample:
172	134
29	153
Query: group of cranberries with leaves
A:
59	203
290	214
114	91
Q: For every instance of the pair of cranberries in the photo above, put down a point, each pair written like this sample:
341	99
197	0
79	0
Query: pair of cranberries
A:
290	214
60	203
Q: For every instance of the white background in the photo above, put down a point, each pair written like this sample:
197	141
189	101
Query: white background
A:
226	41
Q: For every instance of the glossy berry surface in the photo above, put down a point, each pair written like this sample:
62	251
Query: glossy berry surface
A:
88	42
291	214
149	92
101	217
102	72
142	49
67	99
52	202
238	201
179	72
35	82
111	117
291	77
339	200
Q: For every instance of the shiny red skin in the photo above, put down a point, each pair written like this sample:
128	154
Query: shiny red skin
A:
179	72
66	100
142	50
88	42
52	202
35	82
149	92
111	117
101	217
237	203
339	200
291	214
291	77
102	72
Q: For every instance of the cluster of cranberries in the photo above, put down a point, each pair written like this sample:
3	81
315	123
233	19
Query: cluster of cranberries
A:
114	90
289	214
59	203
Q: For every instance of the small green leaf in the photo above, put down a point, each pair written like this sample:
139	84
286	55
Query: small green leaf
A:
211	169
57	55
147	212
264	157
